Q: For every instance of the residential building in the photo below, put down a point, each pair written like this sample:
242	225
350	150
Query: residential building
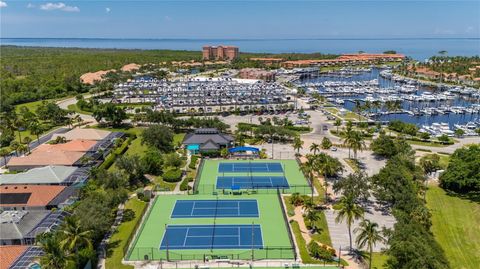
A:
207	139
220	52
49	175
9	254
35	197
84	134
20	227
78	145
45	158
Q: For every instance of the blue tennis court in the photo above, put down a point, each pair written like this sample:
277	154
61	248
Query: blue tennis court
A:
255	167
215	208
252	182
242	236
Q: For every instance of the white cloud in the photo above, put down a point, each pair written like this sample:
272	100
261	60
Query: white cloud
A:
107	9
3	4
59	6
167	18
30	5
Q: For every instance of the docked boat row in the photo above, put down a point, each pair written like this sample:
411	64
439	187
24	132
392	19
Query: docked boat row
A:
438	129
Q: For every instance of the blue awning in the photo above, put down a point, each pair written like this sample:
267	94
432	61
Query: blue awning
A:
240	149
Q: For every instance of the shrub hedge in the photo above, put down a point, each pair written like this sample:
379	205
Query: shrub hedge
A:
172	175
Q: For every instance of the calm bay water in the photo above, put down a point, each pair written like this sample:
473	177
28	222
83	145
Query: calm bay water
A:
419	49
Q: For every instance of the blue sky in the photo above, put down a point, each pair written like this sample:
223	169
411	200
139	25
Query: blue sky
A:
240	19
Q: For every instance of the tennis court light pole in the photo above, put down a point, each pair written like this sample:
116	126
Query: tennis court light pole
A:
253	255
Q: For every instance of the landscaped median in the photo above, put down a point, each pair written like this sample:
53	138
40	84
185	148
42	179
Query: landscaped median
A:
120	240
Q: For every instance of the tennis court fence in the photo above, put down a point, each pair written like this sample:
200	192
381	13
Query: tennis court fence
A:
266	253
198	175
212	189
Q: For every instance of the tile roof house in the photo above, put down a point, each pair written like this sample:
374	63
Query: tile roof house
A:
206	139
51	175
45	158
21	197
73	145
9	254
83	133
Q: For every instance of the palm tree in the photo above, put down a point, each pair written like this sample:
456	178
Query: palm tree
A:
349	211
78	119
296	199
356	143
314	148
297	144
327	165
36	129
54	256
312	217
4	153
27	141
74	237
338	123
19	124
358	108
348	139
22	148
368	235
14	145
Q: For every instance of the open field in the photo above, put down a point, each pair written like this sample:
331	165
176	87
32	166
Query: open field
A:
456	226
276	242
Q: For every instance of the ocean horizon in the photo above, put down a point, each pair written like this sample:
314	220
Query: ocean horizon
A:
417	48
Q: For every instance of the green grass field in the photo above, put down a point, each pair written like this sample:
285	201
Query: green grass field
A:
295	178
378	260
274	230
456	226
119	239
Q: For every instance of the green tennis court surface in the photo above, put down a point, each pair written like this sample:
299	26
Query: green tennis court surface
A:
270	224
219	175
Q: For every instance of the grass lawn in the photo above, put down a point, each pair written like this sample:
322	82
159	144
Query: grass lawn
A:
32	106
178	139
444	160
120	238
456	226
378	260
301	244
169	186
75	108
323	235
428	144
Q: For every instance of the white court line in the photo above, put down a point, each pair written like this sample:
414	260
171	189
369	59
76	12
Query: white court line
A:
186	235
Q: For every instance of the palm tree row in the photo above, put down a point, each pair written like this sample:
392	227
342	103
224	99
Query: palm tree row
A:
368	233
321	164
